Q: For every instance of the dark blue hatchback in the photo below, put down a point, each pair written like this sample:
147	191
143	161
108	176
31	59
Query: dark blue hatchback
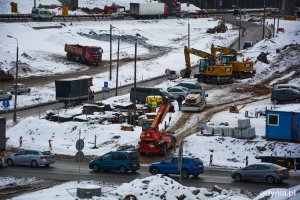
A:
190	166
122	161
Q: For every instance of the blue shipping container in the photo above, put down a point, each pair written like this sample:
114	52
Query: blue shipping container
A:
282	125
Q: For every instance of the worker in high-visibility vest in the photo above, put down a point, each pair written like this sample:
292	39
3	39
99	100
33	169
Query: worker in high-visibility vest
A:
153	105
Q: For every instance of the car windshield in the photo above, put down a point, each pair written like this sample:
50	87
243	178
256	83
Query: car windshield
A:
47	153
162	90
133	156
197	161
96	50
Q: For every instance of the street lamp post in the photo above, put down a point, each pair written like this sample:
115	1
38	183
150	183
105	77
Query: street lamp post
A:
110	55
134	85
16	79
264	20
117	78
240	21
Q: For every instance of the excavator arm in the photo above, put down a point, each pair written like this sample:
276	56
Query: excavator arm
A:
223	50
196	52
161	114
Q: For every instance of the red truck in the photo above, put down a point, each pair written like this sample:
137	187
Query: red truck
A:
89	55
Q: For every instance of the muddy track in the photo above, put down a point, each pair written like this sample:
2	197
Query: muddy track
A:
8	193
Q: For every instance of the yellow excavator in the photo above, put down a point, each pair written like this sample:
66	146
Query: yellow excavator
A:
241	69
210	70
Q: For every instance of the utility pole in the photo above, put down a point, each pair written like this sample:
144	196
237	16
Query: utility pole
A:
274	26
240	21
264	20
117	78
134	85
16	80
110	56
188	5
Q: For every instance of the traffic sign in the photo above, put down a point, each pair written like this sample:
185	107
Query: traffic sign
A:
79	144
5	103
105	84
167	71
79	156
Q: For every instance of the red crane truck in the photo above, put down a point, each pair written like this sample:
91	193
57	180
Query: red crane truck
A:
155	141
89	55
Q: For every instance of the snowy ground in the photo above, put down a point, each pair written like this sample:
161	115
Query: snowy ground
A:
157	187
37	132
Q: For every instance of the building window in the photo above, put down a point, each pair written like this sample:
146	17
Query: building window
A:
273	120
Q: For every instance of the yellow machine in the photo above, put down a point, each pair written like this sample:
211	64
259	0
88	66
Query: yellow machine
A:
158	99
235	109
210	71
241	69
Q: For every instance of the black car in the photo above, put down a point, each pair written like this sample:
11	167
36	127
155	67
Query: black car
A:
143	92
285	95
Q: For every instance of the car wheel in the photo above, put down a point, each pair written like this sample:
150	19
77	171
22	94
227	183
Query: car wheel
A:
275	101
47	165
185	174
238	178
133	171
196	175
34	163
10	162
154	171
95	168
122	169
270	179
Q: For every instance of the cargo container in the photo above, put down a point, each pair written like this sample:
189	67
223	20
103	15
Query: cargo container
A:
148	10
283	125
74	90
84	54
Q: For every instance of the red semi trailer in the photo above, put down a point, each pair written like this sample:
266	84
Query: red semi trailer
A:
89	55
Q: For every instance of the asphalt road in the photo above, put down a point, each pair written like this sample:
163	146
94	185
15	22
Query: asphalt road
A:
69	171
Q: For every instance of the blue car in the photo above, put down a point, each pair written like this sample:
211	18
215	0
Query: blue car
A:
122	161
190	166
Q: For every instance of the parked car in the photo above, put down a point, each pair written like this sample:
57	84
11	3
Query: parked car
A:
172	75
268	172
285	95
247	44
5	96
33	158
254	19
21	89
190	166
178	92
283	86
192	85
122	161
143	92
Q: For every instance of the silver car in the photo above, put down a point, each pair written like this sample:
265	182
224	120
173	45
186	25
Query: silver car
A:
268	172
21	89
33	158
4	96
178	92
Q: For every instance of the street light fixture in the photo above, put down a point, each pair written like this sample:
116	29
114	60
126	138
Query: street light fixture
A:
16	79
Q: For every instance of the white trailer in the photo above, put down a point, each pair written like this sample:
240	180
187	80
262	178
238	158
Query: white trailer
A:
148	10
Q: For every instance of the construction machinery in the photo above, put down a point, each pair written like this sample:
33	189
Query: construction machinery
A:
5	76
235	109
195	101
210	70
153	140
241	69
113	9
220	28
